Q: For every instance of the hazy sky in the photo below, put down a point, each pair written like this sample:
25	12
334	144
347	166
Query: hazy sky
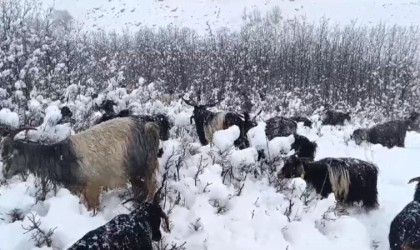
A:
115	14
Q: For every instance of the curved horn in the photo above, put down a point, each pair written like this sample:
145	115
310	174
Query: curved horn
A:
212	104
7	131
156	198
255	117
414	179
189	102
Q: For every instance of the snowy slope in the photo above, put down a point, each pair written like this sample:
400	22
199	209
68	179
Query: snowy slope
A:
250	214
118	14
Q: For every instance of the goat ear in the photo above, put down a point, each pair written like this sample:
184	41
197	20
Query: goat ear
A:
414	180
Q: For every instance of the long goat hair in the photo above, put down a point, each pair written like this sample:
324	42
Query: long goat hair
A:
404	231
279	127
107	155
351	180
134	231
388	134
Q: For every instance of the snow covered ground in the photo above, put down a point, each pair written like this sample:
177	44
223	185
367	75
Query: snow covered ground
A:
199	14
208	213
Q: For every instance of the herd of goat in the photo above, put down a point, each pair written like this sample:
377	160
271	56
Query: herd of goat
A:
123	148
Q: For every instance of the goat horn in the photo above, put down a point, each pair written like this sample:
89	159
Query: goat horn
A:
255	117
214	103
414	179
156	199
189	102
16	131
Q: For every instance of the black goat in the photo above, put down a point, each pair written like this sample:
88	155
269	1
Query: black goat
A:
404	232
305	120
162	120
66	115
332	117
351	180
304	148
208	122
134	231
388	134
108	107
279	127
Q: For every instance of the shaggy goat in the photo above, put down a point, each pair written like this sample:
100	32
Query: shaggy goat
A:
305	120
404	232
388	134
351	180
131	231
106	155
279	127
207	122
303	147
332	117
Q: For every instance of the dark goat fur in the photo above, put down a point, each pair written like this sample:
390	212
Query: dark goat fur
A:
388	134
208	122
108	155
333	117
134	231
414	121
280	127
66	115
305	120
162	120
351	180
404	231
303	147
112	115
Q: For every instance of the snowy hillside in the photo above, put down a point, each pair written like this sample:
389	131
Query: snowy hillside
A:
276	57
221	198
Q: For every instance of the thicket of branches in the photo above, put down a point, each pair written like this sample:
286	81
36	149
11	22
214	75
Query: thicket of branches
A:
355	67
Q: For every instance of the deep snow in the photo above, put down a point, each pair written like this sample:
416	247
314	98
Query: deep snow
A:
210	214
